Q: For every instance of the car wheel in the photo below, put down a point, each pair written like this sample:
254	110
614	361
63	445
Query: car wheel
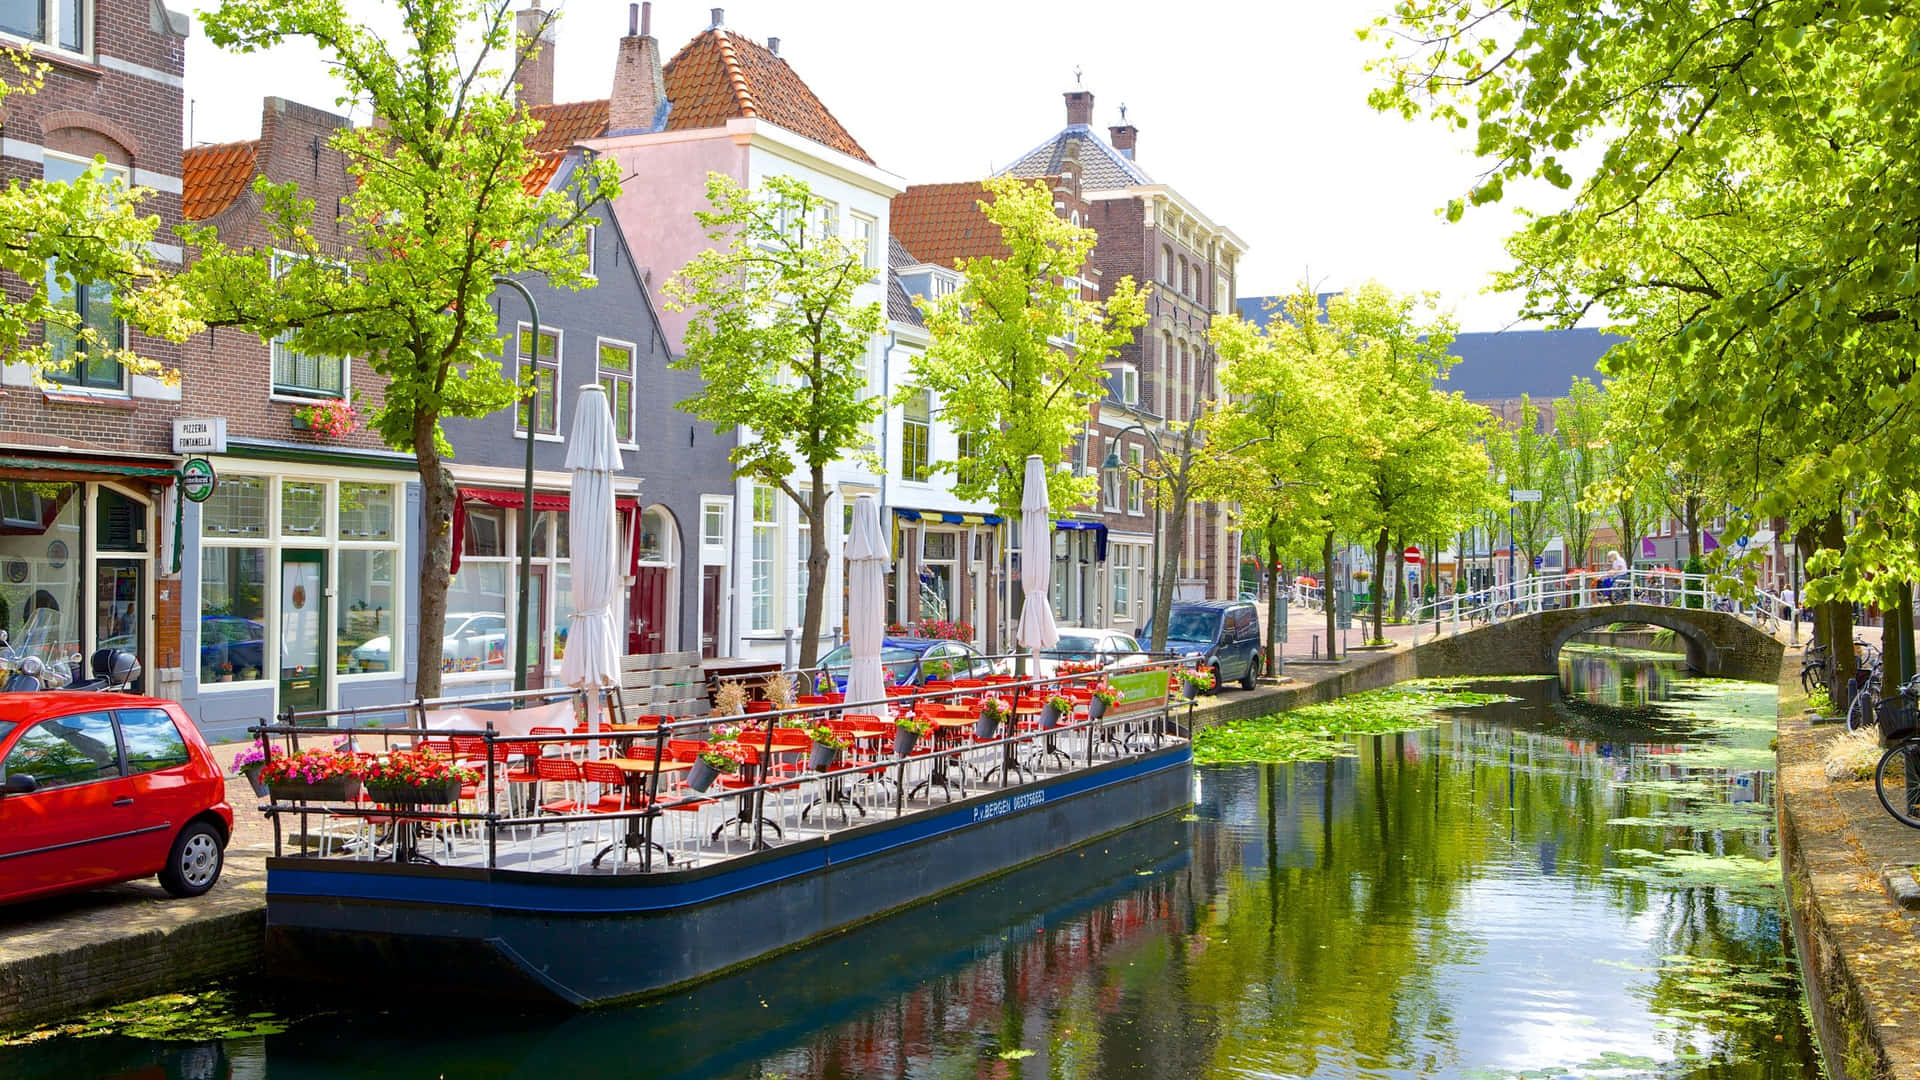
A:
1252	677
1219	679
195	861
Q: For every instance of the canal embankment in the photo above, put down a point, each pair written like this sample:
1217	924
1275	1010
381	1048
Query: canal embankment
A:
1859	948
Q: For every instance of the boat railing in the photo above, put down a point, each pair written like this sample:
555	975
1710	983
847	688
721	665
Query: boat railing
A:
1127	729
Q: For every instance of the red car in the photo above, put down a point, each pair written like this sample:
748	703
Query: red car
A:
99	788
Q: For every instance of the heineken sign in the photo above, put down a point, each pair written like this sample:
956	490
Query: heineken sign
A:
197	480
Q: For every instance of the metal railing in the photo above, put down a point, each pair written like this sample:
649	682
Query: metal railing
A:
1585	589
1077	742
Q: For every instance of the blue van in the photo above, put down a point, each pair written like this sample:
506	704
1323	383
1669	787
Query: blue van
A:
1221	634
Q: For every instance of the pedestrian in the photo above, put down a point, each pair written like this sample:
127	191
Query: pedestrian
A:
1786	602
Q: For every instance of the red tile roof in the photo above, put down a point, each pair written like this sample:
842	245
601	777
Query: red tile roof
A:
721	76
211	177
568	123
942	223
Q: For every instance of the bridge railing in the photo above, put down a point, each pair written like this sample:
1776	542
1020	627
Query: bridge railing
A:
1587	589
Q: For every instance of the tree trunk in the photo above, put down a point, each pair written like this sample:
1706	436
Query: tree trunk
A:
1379	586
1273	595
1399	555
437	496
1693	526
1175	545
1839	620
1327	599
817	584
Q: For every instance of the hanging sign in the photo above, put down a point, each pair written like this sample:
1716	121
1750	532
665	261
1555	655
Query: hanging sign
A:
197	480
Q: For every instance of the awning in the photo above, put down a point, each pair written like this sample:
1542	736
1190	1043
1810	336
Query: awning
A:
947	517
515	500
79	469
1097	528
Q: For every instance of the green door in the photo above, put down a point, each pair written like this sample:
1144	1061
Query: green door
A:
303	630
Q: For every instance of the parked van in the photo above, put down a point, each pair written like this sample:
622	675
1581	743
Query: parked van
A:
1221	634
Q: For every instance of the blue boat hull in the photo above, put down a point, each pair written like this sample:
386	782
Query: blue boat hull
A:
589	940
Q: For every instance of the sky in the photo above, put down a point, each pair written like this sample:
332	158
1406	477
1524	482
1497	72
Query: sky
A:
1255	112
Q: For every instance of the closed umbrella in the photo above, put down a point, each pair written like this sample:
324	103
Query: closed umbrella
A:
593	455
1036	629
866	597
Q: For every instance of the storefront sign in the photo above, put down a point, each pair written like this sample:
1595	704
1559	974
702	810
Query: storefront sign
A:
197	480
200	436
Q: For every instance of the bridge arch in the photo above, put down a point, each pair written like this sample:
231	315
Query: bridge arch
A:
1716	643
1703	654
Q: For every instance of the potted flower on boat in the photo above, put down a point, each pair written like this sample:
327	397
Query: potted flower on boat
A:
715	761
415	778
1194	680
1054	709
907	732
249	762
827	746
312	776
1104	697
993	712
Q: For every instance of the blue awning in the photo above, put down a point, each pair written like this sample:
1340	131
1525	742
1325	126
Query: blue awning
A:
946	517
1097	528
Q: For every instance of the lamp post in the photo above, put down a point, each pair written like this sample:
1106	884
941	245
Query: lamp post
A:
1112	463
526	494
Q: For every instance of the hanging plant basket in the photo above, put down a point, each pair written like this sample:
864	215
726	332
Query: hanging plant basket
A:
438	793
332	789
252	773
823	757
985	727
904	740
701	776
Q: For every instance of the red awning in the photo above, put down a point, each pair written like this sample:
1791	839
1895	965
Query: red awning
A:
515	500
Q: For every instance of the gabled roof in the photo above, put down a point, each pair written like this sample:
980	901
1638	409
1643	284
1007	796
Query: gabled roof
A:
1538	363
568	123
900	307
211	177
721	76
1102	168
943	223
898	257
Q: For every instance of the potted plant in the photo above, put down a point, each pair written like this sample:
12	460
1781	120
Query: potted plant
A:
1195	680
334	419
415	778
249	762
827	746
1104	697
935	669
250	674
713	762
993	711
1055	707
1076	667
312	776
907	731
226	671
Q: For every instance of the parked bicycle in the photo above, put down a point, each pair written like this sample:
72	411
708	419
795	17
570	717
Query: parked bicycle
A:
1896	780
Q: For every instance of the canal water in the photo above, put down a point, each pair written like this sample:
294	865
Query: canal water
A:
1580	882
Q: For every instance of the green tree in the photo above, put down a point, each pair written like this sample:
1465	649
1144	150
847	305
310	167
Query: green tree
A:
779	337
438	209
60	238
1576	458
1523	456
1015	353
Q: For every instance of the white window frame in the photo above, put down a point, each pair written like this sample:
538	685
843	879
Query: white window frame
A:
559	380
125	174
1136	480
770	590
907	474
866	232
632	377
592	229
51	43
274	393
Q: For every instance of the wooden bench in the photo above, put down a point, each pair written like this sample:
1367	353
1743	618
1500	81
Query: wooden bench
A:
661	684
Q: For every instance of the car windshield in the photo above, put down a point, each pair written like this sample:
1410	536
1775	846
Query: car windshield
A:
1074	647
1193	625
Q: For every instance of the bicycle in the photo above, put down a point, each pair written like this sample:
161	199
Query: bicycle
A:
1813	668
1896	779
1866	696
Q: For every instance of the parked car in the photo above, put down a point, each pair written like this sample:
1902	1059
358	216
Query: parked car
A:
1220	634
230	639
475	640
98	788
1108	648
912	661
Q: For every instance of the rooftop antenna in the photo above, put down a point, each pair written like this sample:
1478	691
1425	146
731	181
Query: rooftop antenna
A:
1076	74
1123	112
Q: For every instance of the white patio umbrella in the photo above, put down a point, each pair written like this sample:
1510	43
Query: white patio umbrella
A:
593	655
866	599
1036	629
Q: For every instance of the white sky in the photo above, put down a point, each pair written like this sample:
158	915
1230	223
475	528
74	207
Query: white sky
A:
1256	112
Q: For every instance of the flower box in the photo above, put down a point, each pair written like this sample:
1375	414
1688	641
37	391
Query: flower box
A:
434	793
332	789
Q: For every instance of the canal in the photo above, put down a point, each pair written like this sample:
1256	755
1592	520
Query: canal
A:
1580	881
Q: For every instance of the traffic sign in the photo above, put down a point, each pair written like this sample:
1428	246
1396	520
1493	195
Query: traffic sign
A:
1539	561
1524	494
197	480
1412	555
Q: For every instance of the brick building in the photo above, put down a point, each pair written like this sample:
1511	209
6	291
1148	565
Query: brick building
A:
87	496
305	559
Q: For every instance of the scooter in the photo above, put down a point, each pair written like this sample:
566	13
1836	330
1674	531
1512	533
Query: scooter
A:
114	670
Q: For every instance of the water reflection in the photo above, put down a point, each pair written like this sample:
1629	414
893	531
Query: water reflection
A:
1479	899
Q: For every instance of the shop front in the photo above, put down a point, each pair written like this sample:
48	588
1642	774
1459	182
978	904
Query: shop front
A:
946	570
81	544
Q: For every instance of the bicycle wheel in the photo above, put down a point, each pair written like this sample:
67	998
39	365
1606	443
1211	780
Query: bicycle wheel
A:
1860	710
1812	675
1900	798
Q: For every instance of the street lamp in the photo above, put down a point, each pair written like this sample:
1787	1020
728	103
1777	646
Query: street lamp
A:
526	494
1114	464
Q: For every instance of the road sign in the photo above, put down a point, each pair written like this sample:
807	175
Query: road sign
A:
207	436
1412	555
197	480
1539	561
1524	494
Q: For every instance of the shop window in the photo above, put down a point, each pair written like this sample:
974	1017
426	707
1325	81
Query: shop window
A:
542	372
363	615
476	635
616	377
233	612
237	507
366	511
303	508
40	560
486	532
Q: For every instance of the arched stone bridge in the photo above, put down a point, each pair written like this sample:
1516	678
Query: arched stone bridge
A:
1717	643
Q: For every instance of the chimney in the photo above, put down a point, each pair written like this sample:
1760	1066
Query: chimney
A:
1079	107
1122	136
773	45
639	90
719	18
533	57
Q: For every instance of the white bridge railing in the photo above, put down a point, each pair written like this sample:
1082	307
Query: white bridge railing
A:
1586	589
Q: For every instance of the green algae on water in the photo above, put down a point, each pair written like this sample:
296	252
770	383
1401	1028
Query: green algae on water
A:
200	1016
1319	732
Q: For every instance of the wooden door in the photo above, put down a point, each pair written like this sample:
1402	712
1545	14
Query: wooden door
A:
647	611
710	611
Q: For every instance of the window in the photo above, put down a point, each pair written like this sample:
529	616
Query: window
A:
366	511
1122	573
296	374
656	536
303	508
1111	482
591	233
71	750
1183	274
82	354
237	507
616	378
543	372
964	444
829	220
1166	264
916	426
802	549
713	524
153	742
1136	484
866	233
766	536
63	24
